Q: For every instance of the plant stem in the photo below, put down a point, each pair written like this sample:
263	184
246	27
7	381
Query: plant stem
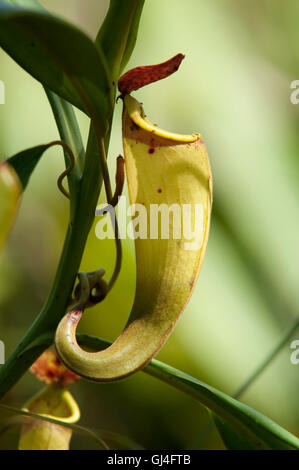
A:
286	337
88	190
67	125
58	299
69	132
86	194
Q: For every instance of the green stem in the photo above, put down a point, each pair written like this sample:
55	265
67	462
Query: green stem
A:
69	132
88	192
55	306
109	195
286	337
67	125
85	191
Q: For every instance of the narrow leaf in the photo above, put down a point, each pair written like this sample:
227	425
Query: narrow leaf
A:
132	36
123	19
25	162
255	427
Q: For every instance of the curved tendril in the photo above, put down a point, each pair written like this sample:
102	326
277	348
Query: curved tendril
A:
119	180
118	257
92	289
84	292
110	201
69	168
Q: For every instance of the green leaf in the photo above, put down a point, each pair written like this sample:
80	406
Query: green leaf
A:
257	430
64	116
123	19
59	55
232	439
10	194
25	162
132	36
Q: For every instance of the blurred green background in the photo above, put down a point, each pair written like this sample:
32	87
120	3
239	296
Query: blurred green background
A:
234	88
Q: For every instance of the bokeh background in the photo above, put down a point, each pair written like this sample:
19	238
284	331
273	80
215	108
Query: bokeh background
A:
234	88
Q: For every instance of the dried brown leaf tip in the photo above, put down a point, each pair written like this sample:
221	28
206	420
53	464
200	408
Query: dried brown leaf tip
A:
141	76
49	369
